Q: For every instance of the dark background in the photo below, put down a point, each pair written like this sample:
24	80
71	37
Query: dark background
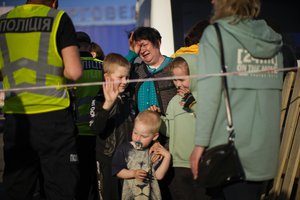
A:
283	15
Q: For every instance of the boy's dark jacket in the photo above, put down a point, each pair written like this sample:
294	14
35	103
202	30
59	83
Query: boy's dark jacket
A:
112	127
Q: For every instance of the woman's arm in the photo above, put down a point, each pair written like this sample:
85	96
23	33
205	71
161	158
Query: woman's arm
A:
194	159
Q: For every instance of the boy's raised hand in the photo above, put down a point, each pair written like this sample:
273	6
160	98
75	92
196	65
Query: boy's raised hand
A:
110	90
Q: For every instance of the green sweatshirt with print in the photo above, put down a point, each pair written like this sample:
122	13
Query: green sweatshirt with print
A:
249	46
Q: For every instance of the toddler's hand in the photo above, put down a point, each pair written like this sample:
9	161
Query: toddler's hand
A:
154	157
140	174
159	150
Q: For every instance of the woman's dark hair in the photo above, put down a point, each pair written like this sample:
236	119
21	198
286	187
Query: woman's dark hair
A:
147	33
98	50
195	33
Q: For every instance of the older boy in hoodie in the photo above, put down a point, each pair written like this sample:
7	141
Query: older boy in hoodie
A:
179	125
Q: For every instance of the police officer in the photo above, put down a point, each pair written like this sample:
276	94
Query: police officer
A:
82	99
38	48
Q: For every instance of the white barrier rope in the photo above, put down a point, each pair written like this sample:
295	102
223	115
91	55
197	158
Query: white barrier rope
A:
200	76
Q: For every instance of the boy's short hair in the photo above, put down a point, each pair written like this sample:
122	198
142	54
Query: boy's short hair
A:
179	62
149	118
112	60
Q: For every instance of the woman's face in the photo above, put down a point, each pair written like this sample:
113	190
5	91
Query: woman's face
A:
149	53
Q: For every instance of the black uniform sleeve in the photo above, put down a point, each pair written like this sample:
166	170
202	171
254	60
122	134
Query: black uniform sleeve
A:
99	117
66	35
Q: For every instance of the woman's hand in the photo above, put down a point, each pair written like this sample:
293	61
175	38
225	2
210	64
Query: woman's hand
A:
134	45
154	108
194	160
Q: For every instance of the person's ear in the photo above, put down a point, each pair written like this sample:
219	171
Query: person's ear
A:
94	54
54	4
106	75
159	43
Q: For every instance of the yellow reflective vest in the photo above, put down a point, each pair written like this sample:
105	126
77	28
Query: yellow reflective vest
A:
29	58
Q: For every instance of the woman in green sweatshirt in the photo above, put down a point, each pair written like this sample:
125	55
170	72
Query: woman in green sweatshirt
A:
249	45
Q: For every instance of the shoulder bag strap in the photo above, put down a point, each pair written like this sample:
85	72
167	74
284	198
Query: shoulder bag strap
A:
230	127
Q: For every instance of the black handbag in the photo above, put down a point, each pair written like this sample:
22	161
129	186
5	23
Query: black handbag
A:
221	164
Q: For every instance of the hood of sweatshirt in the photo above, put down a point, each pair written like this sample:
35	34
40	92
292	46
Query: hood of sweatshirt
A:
193	49
256	36
192	61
